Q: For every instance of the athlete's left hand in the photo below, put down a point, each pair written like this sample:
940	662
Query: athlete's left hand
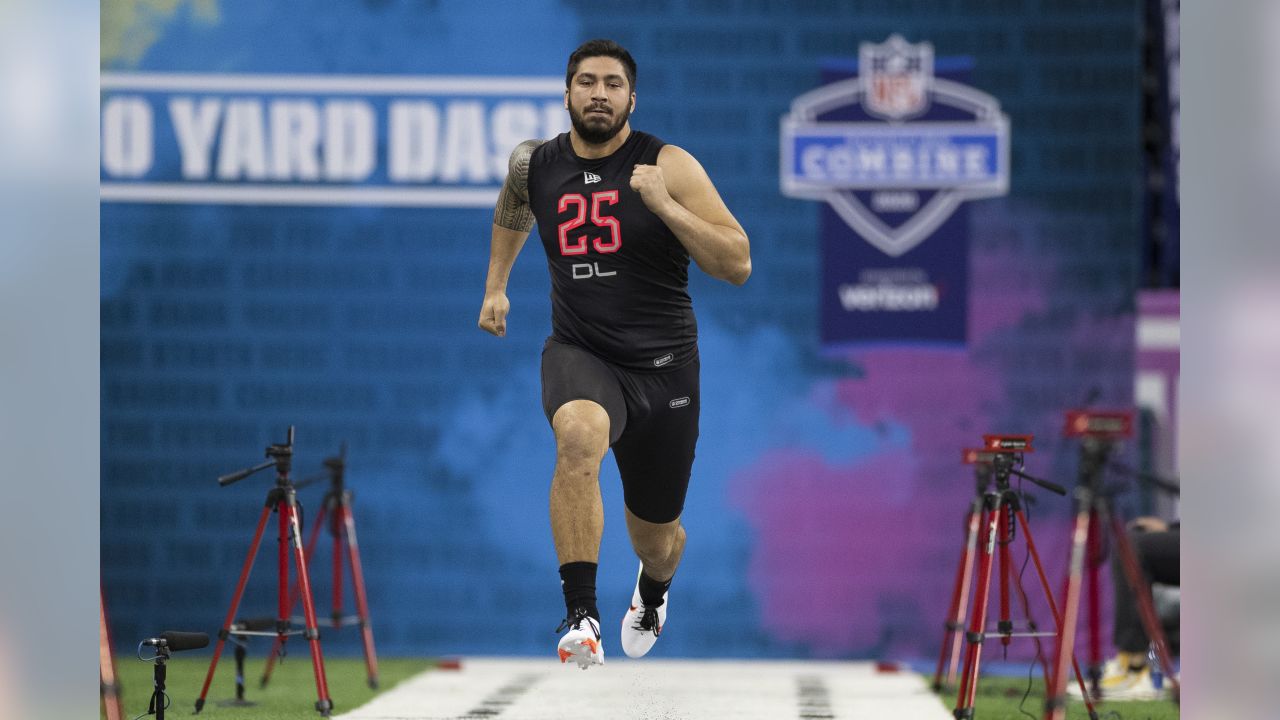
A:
649	181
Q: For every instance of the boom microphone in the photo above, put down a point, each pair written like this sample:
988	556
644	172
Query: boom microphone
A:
177	641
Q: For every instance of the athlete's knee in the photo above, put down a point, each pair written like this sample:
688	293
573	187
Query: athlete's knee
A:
677	545
582	431
653	551
659	543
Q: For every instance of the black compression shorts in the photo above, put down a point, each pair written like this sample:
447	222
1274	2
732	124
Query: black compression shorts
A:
653	422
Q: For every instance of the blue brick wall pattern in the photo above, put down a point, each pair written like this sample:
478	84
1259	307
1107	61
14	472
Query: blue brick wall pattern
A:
223	324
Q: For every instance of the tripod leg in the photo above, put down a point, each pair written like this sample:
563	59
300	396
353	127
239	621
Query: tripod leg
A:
282	558
1055	706
362	601
1095	602
966	572
324	705
977	625
278	642
1005	624
1146	606
235	604
283	609
240	653
339	513
953	624
157	696
107	666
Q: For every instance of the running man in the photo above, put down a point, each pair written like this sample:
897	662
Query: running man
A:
620	214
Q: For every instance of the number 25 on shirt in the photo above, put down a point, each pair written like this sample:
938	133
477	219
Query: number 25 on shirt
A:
599	200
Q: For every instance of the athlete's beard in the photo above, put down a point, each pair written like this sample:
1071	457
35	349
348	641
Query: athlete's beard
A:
593	130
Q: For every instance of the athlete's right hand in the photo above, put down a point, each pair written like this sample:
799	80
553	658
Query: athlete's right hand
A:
493	313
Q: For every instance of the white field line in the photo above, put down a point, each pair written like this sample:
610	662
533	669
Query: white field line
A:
535	689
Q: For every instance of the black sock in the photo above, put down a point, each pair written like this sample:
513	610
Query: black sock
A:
651	591
578	580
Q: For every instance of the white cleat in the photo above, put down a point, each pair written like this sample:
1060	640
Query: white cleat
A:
641	626
581	643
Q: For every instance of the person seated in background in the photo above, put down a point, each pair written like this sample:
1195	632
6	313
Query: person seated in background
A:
1127	676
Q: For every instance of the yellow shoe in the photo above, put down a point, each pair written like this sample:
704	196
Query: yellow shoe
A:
1122	663
1137	685
1116	675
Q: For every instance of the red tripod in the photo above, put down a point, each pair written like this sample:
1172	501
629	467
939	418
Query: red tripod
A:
336	506
1001	514
283	500
1093	517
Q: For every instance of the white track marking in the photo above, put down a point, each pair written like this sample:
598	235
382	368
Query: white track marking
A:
534	689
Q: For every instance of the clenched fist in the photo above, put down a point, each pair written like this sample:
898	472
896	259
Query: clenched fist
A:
493	313
652	186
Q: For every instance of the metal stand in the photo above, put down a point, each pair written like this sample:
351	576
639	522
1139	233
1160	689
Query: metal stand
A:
282	499
156	706
336	508
1094	517
1001	514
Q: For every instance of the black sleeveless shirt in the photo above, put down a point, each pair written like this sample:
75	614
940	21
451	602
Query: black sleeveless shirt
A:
619	276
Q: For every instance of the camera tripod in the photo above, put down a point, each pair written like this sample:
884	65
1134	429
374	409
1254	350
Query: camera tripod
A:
283	500
336	507
1001	513
1094	517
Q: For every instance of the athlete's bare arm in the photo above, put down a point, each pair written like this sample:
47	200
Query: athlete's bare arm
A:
512	221
678	190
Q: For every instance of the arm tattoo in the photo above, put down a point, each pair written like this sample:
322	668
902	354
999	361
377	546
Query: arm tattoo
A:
513	211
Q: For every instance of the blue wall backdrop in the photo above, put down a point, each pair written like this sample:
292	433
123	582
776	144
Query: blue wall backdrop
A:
825	509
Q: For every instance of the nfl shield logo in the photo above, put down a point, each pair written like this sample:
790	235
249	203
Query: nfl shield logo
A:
896	77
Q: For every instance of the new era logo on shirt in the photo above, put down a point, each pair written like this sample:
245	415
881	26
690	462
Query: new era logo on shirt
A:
589	178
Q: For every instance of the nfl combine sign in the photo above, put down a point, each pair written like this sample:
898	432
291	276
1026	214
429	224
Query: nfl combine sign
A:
894	145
